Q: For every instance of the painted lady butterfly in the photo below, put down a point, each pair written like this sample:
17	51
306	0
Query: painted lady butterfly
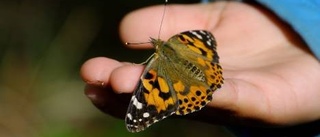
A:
179	79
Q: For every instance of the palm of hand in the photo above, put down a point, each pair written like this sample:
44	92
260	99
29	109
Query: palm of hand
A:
269	75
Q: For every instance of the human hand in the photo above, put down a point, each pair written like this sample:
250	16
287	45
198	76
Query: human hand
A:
270	76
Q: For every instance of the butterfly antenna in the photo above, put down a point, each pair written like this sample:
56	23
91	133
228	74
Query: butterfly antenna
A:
136	43
164	12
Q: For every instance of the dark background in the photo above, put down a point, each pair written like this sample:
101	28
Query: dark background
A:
43	44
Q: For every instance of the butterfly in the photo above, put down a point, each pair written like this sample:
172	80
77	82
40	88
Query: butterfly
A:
179	79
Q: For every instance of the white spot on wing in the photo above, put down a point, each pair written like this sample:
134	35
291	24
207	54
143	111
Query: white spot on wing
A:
129	116
133	97
136	103
146	114
209	43
196	34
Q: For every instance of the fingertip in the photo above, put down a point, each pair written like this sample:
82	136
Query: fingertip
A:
125	78
97	71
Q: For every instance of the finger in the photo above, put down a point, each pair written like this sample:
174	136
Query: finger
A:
97	71
105	72
121	80
139	25
125	78
105	79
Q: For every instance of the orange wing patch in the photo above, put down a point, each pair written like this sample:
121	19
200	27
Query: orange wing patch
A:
214	75
158	92
193	99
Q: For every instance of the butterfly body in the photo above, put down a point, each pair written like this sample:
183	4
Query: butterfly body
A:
179	79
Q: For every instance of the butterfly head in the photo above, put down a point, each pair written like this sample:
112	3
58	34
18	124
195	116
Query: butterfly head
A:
156	43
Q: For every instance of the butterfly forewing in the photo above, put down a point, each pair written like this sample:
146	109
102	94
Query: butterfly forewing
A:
152	100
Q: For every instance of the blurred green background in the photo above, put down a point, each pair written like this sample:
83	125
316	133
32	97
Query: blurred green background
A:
43	44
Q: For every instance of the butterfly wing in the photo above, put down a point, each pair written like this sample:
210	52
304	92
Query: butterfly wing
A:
201	74
152	100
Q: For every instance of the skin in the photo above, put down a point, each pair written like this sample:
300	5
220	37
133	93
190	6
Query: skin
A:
271	77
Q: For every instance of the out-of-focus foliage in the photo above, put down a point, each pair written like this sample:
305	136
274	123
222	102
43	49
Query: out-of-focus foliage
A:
42	46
